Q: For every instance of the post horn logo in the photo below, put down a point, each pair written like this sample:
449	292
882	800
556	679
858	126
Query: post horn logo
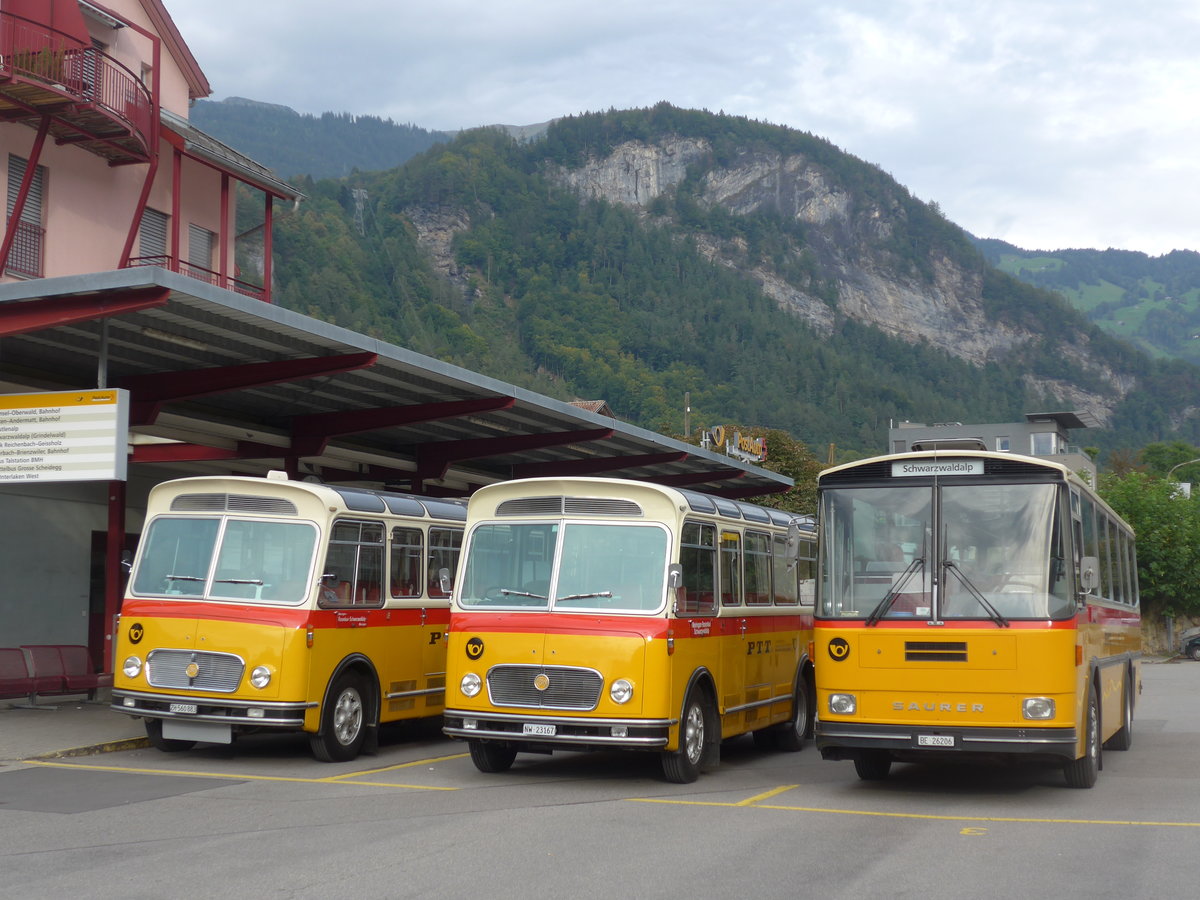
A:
839	649
474	648
136	633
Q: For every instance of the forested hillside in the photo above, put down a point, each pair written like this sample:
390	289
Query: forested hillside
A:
1153	302
825	303
331	145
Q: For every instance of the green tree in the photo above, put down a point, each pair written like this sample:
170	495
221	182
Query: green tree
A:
1167	526
1163	456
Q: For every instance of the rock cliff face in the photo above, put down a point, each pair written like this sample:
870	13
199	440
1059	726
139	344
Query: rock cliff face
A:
846	233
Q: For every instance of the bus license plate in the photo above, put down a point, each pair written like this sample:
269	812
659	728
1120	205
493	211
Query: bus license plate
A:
538	728
935	740
184	708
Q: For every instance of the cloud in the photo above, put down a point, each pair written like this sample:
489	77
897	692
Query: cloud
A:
1046	124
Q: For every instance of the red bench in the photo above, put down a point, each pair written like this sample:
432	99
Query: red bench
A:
48	669
15	679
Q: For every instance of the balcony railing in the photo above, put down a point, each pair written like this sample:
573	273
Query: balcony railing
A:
25	257
40	67
200	273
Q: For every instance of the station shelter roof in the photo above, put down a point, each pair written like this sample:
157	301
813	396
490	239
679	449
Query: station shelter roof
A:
221	383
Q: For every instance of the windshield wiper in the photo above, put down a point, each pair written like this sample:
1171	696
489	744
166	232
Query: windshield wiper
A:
507	591
974	592
237	580
184	578
607	594
889	598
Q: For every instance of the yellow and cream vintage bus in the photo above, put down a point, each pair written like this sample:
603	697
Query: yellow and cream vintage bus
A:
270	604
600	613
973	604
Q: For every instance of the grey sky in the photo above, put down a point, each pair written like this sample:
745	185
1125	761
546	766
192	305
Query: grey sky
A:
1047	124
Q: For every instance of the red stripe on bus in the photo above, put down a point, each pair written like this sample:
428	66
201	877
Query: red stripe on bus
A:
286	617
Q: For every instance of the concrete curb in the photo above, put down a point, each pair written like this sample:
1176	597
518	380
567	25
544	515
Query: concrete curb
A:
94	749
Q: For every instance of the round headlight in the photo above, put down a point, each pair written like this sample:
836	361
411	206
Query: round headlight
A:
621	690
842	704
260	677
1038	708
470	684
131	667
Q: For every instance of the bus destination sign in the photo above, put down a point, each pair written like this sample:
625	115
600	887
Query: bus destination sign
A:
78	436
909	468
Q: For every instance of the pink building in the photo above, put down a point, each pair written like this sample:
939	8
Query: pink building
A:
101	167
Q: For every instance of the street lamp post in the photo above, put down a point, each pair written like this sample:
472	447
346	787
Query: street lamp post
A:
1180	465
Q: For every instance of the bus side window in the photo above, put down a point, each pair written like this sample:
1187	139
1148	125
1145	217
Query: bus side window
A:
698	561
731	568
445	544
408	547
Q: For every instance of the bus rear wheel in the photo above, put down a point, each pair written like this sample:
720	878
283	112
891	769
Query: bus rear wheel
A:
154	728
343	722
682	766
1083	772
491	757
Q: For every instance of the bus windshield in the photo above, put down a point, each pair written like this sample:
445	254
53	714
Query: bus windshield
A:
949	551
566	566
235	559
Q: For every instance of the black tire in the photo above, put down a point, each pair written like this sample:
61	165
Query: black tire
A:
682	765
343	721
873	765
1083	772
1194	653
790	737
1123	739
166	745
491	757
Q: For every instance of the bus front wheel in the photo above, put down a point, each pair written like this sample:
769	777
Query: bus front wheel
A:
1083	772
873	765
343	722
682	766
491	757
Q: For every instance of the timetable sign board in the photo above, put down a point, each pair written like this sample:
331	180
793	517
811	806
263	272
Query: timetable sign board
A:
77	436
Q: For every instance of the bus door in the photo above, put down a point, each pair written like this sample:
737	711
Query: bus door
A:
744	676
444	547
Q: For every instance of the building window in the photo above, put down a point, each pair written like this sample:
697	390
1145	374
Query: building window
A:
200	252
1003	444
152	237
1044	443
26	256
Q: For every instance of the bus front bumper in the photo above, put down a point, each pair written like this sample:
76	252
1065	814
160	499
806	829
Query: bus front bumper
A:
541	732
842	740
216	711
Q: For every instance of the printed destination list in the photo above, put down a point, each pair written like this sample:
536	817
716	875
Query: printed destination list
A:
80	436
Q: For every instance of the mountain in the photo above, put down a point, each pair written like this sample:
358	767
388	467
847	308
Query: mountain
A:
1153	302
331	145
643	255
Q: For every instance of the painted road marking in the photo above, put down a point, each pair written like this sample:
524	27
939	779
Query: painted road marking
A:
344	778
753	803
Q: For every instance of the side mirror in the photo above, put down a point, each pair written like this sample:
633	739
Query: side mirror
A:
127	561
444	581
1089	574
674	576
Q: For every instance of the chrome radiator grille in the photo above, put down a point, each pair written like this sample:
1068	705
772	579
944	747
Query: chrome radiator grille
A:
213	672
565	687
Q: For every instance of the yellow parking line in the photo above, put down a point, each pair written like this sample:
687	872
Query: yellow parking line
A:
753	802
236	776
407	765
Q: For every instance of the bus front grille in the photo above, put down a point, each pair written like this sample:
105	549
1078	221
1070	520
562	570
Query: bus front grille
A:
544	687
935	651
193	669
